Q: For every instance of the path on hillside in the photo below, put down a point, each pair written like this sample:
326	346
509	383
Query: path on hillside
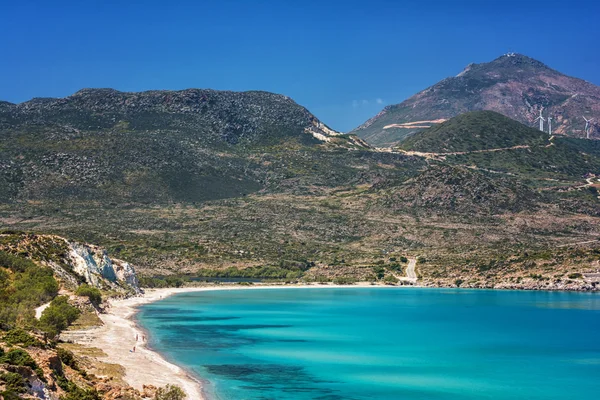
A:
452	153
578	243
411	275
40	310
410	269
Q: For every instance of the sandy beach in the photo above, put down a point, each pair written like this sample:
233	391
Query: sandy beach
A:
117	337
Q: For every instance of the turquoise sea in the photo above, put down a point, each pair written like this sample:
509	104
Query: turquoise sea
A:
382	343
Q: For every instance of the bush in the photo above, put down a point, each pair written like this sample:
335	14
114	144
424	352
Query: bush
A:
13	381
379	272
10	395
58	316
458	282
20	337
90	292
344	280
67	358
391	280
20	358
170	392
576	275
26	287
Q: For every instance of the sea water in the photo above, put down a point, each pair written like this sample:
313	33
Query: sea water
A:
382	343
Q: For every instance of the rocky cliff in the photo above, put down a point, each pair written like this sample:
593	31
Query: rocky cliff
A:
73	263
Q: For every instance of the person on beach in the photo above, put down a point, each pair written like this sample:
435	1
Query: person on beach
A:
134	349
136	337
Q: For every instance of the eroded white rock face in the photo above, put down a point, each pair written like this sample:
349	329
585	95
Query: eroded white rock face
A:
94	265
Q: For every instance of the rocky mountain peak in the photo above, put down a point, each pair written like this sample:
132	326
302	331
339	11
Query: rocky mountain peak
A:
514	85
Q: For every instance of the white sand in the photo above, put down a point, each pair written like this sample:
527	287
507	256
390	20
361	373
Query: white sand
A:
146	367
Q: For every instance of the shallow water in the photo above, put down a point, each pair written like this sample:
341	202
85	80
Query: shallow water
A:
382	343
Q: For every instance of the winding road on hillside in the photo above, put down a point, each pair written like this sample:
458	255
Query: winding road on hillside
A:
452	153
410	270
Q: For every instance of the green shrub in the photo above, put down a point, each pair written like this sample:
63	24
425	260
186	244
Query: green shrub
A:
10	395
391	280
575	275
90	292
67	358
58	316
13	381
169	392
19	357
344	280
458	282
25	288
379	272
20	337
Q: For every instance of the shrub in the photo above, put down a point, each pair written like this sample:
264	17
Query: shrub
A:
344	280
19	357
458	282
391	280
10	395
25	288
20	337
379	272
90	292
169	392
13	381
67	358
58	316
575	275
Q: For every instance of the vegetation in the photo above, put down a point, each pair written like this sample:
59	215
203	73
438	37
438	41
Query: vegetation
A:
14	383
23	286
20	337
58	316
169	392
162	282
497	85
90	292
476	130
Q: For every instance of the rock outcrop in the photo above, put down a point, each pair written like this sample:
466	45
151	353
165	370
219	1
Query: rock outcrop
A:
74	263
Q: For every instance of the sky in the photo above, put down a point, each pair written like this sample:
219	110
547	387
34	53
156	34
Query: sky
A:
343	60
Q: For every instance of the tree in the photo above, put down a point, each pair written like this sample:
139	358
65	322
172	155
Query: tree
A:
170	392
58	316
90	292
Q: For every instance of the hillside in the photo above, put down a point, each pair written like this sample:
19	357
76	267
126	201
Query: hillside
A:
177	192
471	131
157	146
49	284
513	85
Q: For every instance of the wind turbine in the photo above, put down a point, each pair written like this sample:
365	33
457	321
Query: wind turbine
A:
541	118
587	126
549	126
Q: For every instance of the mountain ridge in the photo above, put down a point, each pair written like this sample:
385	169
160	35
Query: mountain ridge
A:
514	85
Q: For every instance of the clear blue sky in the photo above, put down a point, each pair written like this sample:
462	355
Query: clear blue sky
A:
343	60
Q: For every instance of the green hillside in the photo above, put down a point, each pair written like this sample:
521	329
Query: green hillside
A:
251	184
476	130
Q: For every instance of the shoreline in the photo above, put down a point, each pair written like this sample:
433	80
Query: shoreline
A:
146	366
117	337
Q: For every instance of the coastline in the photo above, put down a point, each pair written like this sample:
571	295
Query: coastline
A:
146	366
117	337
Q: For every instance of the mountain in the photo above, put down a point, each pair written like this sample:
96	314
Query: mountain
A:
189	145
217	117
207	183
514	85
472	131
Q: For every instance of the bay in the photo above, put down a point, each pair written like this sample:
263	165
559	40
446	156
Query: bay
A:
382	343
